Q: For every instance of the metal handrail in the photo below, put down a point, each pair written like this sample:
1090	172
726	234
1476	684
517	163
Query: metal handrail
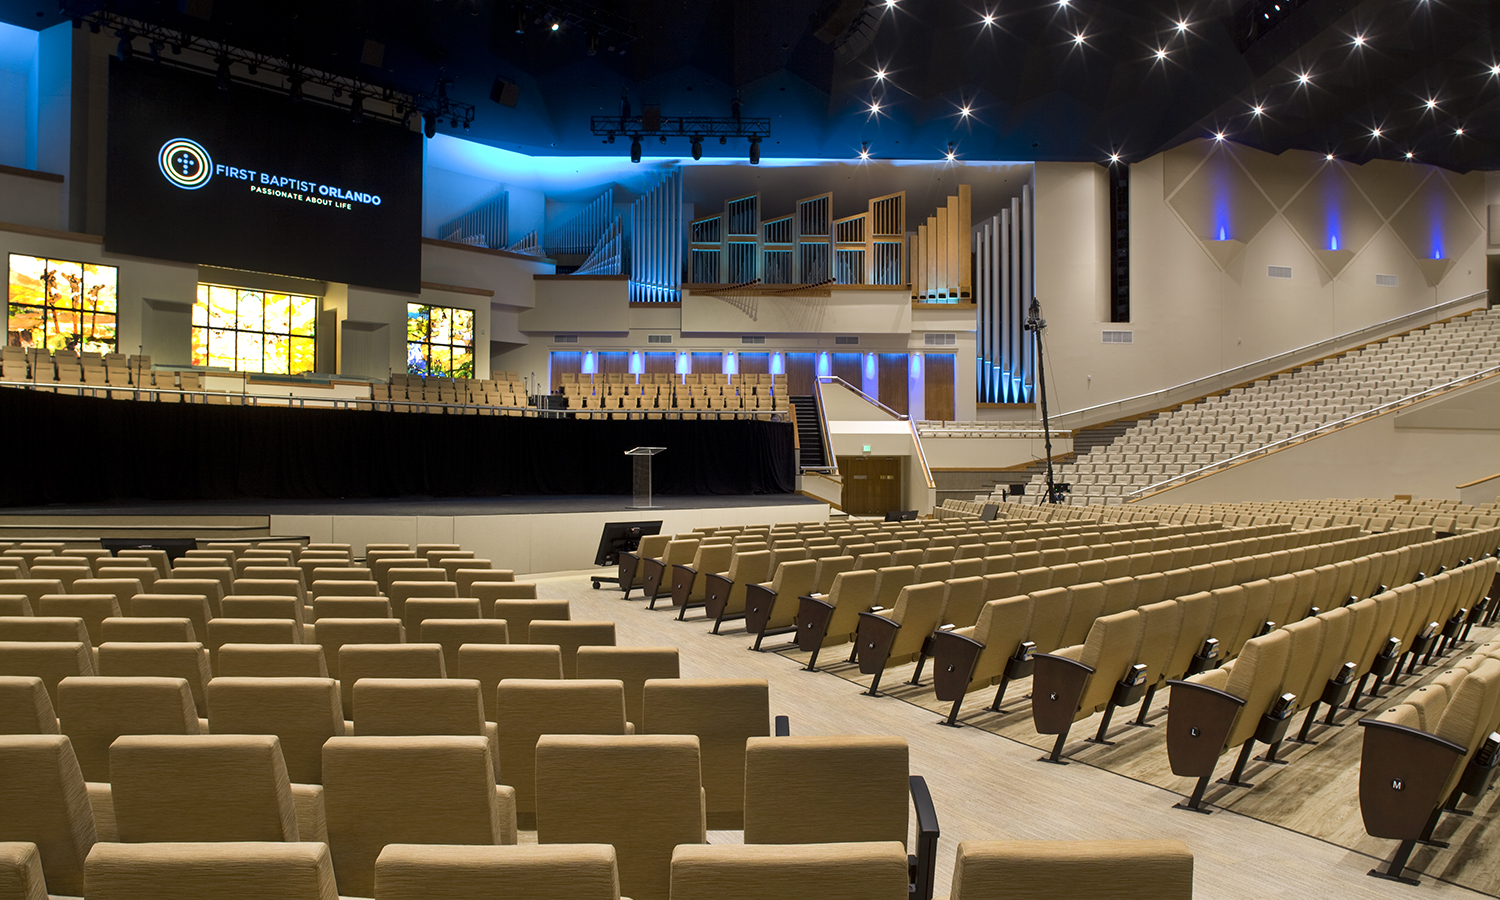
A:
831	379
1304	436
911	425
1239	374
921	454
357	403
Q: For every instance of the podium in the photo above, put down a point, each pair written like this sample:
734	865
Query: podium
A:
641	479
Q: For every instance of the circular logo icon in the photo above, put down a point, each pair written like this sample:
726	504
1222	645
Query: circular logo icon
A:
185	163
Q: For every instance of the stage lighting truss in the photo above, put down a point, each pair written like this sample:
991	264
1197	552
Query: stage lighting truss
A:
692	128
235	66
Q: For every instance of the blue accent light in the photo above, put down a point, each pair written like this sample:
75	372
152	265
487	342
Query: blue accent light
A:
1223	234
637	363
590	363
870	370
825	365
684	364
916	365
778	364
1333	242
731	363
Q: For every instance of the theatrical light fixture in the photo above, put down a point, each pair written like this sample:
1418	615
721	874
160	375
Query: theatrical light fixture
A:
635	149
692	128
591	42
755	151
697	146
356	108
952	152
429	124
294	87
125	51
222	75
864	149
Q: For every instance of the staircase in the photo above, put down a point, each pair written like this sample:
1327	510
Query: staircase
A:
809	434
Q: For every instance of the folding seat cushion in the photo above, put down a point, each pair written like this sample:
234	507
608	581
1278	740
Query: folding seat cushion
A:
569	636
434	789
181	659
492	663
640	793
272	661
805	872
93	711
301	712
46	803
632	666
230	871
370	605
723	713
21	875
421	608
526	709
333	634
25	707
453	633
93	609
457	872
204	787
161	628
52	661
358	661
1084	870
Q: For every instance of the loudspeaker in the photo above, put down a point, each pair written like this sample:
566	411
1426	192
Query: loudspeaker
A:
505	93
651	117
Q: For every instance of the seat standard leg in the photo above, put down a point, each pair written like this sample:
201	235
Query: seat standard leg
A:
854	653
1270	756
1397	866
952	720
1098	738
1307	724
1146	707
812	663
1195	802
1359	690
916	677
874	690
1055	757
1000	695
1235	776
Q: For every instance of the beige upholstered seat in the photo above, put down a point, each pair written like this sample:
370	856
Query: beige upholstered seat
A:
640	793
121	588
225	630
65	629
358	661
93	711
204	787
452	634
490	591
272	661
213	589
519	614
535	872
1082	870
14	604
419	609
52	661
401	591
467	577
25	707
301	712
632	666
724	714
850	789
199	871
390	790
526	709
186	660
170	629
396	706
93	609
868	871
193	607
342	606
492	663
21	875
46	803
333	634
569	636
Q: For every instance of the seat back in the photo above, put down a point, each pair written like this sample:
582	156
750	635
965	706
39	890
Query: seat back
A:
333	634
25	707
380	790
93	711
176	659
632	667
358	661
640	793
301	712
52	661
870	871
528	708
569	635
519	613
203	787
724	714
848	788
265	870
46	803
1079	870
419	609
919	611
533	871
451	634
161	629
418	706
272	661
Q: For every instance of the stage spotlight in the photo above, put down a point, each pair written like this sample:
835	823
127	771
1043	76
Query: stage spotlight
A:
635	149
222	77
591	42
356	108
697	147
453	122
125	51
723	140
755	151
429	124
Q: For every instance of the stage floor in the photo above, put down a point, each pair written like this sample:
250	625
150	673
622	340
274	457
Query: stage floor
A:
417	506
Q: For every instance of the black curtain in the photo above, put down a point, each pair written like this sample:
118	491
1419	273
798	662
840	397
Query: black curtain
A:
68	449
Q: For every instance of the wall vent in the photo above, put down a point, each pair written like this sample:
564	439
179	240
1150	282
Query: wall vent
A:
1278	271
1387	281
844	339
1119	337
565	338
658	339
933	339
752	339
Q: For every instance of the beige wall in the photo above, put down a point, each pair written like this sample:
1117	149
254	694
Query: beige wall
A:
1200	306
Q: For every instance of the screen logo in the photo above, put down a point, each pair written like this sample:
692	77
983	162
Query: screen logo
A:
185	163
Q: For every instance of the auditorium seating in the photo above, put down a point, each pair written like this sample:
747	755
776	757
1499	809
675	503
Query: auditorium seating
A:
526	709
534	871
46	803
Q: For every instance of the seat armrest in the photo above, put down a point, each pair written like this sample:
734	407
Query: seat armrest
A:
923	872
1198	725
1057	686
1402	773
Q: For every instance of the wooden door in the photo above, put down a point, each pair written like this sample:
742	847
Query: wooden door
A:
801	374
937	374
872	484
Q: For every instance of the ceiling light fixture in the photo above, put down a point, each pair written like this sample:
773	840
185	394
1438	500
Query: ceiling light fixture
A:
1181	25
1304	78
1329	157
1114	158
874	107
1495	71
1459	131
1431	103
952	152
1359	39
1218	135
755	150
635	148
1161	54
880	74
697	147
1374	132
987	20
1257	110
965	111
1410	155
1079	38
864	149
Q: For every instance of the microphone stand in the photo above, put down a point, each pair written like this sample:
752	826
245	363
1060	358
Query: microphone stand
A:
1034	324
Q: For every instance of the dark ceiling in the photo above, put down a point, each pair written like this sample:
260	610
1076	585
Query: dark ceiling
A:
1055	80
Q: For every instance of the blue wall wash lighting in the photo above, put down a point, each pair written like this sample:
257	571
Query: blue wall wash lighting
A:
731	363
684	364
870	370
590	363
778	365
825	365
1333	242
637	363
915	369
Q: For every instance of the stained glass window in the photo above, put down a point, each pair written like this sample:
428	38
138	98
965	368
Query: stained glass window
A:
254	331
439	341
62	305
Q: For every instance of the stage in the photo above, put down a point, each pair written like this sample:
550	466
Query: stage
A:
524	533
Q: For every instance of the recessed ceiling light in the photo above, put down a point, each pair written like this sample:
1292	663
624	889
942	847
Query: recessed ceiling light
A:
1410	155
1062	2
880	74
890	4
1374	132
987	19
1114	157
864	150
1257	109
1161	54
1359	39
1329	157
952	152
1495	70
1218	135
1431	103
1079	38
965	111
1181	25
1459	131
874	107
1304	78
